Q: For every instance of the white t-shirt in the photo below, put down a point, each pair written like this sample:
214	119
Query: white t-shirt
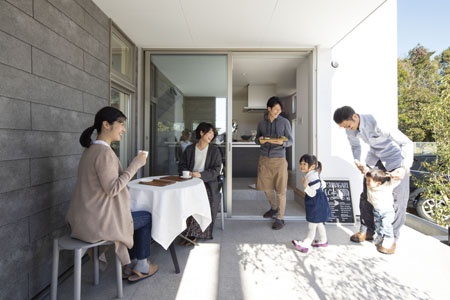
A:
200	159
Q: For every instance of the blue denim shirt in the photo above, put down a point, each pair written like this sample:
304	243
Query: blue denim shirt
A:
279	127
391	147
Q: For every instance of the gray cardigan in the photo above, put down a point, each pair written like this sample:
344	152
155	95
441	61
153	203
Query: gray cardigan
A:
279	127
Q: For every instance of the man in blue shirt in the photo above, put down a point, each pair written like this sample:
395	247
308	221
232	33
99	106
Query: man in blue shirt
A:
389	150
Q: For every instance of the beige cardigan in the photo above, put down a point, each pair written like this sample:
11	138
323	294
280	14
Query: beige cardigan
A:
100	206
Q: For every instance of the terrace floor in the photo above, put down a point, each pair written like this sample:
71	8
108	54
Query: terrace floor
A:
248	260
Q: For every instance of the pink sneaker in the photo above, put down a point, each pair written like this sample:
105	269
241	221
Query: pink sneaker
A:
299	247
317	244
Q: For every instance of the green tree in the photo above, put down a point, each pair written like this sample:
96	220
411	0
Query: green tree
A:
418	79
436	185
444	62
424	102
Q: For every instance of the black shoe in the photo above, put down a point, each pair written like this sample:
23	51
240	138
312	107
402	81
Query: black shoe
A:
278	224
271	213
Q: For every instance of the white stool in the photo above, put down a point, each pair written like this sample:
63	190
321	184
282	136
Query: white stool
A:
80	248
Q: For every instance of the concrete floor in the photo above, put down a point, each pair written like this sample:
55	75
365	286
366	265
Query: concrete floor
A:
250	204
249	260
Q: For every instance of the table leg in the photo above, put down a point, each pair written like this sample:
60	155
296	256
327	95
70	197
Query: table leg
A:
174	257
189	240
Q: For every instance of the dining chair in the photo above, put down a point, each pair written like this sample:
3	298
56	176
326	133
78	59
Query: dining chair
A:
221	179
79	247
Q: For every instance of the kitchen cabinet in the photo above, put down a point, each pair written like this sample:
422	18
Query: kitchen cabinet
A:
245	159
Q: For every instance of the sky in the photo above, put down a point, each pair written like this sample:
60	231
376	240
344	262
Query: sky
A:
425	22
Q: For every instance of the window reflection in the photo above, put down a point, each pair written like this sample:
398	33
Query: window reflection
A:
121	57
186	90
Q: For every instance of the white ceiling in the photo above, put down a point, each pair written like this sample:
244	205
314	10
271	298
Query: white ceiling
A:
251	25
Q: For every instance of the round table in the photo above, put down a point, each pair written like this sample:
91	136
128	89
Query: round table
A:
171	205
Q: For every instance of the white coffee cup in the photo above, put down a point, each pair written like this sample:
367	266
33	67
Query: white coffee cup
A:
146	153
186	174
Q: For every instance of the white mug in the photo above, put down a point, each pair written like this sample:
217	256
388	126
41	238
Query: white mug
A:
186	174
146	153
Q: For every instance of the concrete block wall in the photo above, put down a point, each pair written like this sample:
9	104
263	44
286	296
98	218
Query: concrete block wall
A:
54	76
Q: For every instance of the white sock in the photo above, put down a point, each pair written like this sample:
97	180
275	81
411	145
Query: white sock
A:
387	243
142	266
378	240
322	233
310	235
305	243
132	263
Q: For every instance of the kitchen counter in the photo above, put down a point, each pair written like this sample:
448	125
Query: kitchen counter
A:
245	144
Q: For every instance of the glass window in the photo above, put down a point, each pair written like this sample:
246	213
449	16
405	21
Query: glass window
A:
123	90
122	57
121	101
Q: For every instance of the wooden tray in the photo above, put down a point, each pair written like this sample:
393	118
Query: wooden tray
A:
174	178
157	182
284	139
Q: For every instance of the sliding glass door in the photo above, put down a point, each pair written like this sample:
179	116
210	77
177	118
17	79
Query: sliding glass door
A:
183	90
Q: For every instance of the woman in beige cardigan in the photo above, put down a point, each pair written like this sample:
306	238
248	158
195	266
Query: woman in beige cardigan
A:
100	206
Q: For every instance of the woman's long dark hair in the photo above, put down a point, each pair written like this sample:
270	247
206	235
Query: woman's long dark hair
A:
108	114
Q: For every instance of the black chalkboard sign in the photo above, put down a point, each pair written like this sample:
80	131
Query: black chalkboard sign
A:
340	199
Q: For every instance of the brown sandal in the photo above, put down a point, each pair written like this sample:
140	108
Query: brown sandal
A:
191	242
126	272
182	242
137	276
187	241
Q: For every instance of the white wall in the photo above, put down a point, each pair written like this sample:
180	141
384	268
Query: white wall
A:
247	121
303	130
366	79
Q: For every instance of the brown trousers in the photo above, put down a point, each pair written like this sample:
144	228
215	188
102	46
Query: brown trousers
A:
273	175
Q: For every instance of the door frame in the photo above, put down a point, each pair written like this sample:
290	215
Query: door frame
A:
228	188
148	116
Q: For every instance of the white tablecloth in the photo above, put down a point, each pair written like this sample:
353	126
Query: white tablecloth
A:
170	206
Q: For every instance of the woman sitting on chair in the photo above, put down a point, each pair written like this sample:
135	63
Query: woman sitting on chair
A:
100	206
204	161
